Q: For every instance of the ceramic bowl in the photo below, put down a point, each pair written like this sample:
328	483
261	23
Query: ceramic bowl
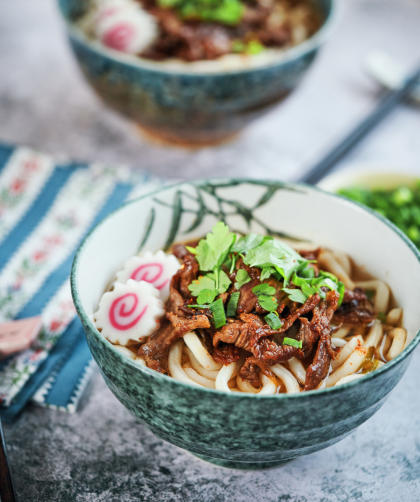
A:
234	429
183	107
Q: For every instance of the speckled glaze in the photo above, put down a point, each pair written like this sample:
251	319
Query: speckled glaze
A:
183	107
233	429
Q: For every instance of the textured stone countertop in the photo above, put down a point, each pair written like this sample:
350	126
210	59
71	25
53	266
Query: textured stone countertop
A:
101	453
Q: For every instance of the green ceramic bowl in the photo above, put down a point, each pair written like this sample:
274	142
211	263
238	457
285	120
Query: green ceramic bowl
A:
233	429
189	104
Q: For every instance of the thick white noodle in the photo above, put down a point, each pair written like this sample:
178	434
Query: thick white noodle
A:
268	388
141	361
338	342
190	372
174	363
203	357
375	335
342	332
351	365
297	369
245	386
346	351
400	336
394	316
292	387
381	289
125	351
328	262
344	261
225	374
212	375
348	378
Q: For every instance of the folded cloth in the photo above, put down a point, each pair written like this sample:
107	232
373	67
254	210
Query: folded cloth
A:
46	209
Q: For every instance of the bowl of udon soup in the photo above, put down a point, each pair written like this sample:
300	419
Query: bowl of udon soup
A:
194	72
248	322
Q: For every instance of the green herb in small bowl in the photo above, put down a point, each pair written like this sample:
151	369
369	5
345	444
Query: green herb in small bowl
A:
401	205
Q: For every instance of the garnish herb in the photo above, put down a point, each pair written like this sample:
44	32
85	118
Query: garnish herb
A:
233	304
242	278
275	254
228	12
296	295
218	311
220	249
292	342
273	320
400	205
212	251
265	293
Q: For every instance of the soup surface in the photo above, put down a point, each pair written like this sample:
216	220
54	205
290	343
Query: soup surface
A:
251	314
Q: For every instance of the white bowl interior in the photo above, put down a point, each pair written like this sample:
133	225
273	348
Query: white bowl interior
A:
302	212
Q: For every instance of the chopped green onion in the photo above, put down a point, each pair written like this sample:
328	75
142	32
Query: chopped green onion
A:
233	304
273	320
191	250
218	311
292	342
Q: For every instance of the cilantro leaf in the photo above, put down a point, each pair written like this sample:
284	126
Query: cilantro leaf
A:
212	251
242	278
248	242
202	283
206	296
267	272
205	286
276	254
295	295
292	342
221	279
265	293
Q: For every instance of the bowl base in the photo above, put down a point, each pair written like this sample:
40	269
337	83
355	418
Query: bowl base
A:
185	140
243	466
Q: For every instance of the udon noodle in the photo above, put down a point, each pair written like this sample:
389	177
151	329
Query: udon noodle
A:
264	329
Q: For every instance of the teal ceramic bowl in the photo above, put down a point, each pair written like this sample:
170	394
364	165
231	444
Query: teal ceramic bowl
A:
233	429
190	107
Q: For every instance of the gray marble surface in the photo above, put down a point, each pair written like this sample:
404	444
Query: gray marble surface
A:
101	453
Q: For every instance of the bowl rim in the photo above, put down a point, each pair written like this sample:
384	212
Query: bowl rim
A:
357	174
89	326
294	53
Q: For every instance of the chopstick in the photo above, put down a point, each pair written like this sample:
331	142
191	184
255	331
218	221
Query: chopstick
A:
385	106
7	492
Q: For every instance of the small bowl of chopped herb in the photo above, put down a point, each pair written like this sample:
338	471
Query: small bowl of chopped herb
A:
193	72
392	193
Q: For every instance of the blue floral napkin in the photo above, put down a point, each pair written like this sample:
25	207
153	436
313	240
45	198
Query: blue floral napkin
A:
46	209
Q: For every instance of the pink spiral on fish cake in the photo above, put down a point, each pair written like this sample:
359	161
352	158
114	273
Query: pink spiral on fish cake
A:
122	314
119	36
151	273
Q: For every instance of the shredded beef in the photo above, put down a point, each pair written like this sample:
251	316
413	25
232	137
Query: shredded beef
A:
356	309
183	325
247	299
155	351
187	275
320	324
272	24
252	367
225	353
